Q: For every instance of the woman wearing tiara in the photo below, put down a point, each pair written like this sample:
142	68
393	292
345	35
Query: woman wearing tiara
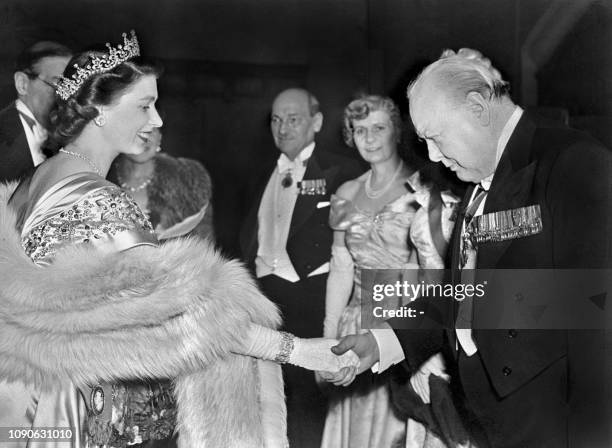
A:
89	298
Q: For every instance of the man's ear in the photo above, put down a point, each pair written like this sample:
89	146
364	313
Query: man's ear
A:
22	82
317	121
479	107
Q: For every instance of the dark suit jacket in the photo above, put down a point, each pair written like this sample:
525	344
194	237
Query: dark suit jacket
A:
569	175
15	156
310	237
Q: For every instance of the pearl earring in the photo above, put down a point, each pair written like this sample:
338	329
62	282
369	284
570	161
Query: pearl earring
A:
100	120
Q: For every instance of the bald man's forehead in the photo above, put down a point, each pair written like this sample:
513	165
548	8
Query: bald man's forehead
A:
426	107
294	100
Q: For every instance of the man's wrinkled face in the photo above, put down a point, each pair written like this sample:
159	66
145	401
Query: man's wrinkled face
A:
292	126
453	133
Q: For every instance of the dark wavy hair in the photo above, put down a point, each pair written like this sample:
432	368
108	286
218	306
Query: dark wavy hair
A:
361	107
69	117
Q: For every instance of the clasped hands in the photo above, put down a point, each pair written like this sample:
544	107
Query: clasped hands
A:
366	348
361	348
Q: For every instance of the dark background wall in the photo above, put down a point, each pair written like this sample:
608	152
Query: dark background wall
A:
226	59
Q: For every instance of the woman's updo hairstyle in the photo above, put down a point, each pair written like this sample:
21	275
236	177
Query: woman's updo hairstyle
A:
360	108
69	117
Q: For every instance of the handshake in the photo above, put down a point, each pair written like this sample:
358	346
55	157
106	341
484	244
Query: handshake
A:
337	362
355	353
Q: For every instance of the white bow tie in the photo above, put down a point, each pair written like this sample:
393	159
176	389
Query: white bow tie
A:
40	133
284	163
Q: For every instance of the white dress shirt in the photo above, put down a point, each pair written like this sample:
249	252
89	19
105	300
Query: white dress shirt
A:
35	135
389	348
274	217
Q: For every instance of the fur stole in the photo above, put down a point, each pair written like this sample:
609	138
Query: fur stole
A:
179	188
173	311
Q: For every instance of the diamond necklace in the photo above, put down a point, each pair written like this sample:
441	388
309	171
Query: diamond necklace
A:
373	194
85	158
136	188
124	183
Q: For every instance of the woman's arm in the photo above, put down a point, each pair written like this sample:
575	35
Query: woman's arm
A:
312	354
339	285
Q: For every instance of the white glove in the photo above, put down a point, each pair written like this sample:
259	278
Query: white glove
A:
420	380
339	288
316	354
311	354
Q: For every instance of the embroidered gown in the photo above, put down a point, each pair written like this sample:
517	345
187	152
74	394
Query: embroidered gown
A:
80	208
160	340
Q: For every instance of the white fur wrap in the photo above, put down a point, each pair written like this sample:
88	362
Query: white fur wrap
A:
174	311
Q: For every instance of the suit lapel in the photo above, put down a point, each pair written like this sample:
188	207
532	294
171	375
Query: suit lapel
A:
306	204
455	248
510	188
16	156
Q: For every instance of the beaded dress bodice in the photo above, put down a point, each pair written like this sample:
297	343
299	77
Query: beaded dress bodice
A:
84	209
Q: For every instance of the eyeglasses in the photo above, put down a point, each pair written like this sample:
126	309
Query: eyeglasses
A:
33	75
292	122
375	131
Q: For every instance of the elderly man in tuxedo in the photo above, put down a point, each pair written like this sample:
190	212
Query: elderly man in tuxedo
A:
518	388
23	123
286	240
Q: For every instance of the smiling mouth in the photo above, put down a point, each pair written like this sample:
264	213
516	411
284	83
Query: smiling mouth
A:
144	135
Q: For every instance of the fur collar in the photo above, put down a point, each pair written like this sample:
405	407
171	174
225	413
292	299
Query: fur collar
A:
179	188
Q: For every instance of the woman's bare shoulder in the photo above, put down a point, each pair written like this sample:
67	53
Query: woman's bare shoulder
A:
349	189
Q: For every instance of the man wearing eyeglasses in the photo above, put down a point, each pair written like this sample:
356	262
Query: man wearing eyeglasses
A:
286	240
23	123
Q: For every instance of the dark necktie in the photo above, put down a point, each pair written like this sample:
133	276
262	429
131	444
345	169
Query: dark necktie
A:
467	245
465	309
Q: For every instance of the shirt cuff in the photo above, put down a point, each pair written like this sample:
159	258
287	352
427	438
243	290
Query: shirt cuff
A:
389	348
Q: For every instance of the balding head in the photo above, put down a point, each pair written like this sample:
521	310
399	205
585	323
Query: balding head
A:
458	74
459	105
299	94
295	120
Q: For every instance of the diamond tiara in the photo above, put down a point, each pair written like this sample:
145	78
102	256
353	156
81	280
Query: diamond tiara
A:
66	87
